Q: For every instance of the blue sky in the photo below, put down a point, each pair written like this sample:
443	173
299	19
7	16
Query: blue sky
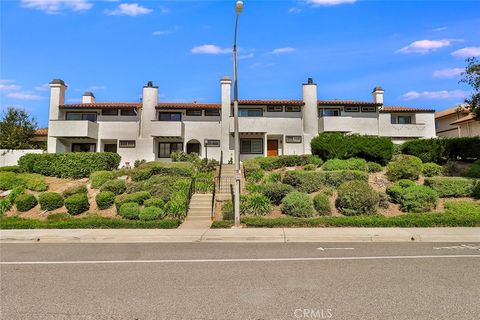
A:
413	49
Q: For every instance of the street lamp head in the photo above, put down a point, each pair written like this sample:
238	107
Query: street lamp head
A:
239	6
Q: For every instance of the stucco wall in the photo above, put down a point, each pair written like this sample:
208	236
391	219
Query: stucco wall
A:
10	157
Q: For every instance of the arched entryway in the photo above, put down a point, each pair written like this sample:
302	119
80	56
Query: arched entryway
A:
194	146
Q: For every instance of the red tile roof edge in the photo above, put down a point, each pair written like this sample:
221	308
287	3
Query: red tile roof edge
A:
41	132
387	109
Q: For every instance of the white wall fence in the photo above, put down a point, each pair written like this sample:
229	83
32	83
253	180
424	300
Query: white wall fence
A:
10	157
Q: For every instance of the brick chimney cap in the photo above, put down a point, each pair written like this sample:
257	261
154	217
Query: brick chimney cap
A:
58	81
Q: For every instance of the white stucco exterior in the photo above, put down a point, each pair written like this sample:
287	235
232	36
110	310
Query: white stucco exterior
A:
151	129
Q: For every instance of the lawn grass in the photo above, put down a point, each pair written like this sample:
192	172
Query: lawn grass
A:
89	222
457	214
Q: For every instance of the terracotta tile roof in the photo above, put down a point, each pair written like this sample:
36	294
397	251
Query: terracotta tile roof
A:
346	103
99	105
452	111
464	119
271	102
388	109
41	132
188	105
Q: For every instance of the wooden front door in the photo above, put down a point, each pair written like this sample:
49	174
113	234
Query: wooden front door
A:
272	148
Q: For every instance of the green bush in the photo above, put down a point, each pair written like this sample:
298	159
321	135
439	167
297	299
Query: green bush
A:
50	201
331	145
154	202
298	204
418	199
204	182
9	180
476	190
77	203
374	167
74	190
253	187
8	201
137	197
160	186
251	165
15	169
130	211
117	186
273	177
304	181
25	202
465	148
275	191
98	178
336	178
271	163
34	182
321	202
62	216
384	200
68	165
441	150
151	213
255	204
404	167
474	170
428	150
357	197
328	191
177	206
105	199
309	167
254	175
348	164
227	210
431	169
395	191
450	186
179	169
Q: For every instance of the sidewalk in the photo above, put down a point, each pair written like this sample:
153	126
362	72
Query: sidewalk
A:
242	235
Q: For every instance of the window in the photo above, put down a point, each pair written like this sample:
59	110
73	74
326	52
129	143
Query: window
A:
369	109
84	147
352	109
128	112
110	112
166	148
274	108
195	113
251	146
212	112
437	125
292	108
404	120
250	112
212	143
293	139
81	116
110	147
170	116
126	144
329	112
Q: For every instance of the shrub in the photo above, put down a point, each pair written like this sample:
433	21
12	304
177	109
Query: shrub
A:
151	213
273	177
476	189
254	175
395	191
250	165
254	187
404	167
321	202
270	163
336	178
160	186
25	202
77	203
309	167
428	150
177	206
15	169
9	180
304	181
180	156
105	199
74	190
204	182
130	211
139	162
68	165
275	192
117	186
383	203
227	210
298	204
474	170
255	204
374	167
450	186
357	197
8	201
137	197
154	202
62	216
98	178
442	150
33	181
348	164
418	199
50	201
465	148
331	145
179	169
328	191
431	169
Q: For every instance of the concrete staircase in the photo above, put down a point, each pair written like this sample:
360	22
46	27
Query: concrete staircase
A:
227	182
199	213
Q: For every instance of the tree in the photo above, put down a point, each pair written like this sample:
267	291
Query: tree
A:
471	76
17	129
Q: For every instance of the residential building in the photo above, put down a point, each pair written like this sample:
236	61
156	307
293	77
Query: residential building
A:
458	121
151	130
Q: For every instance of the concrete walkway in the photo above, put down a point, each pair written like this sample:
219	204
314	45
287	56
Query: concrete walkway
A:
242	235
199	212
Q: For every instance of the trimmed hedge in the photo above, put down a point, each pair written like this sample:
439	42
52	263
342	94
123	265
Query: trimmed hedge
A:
154	202
98	178
15	169
117	186
74	190
271	163
418	199
441	150
105	199
77	203
348	164
151	213
30	181
432	169
130	211
321	202
275	191
50	201
146	170
9	180
68	165
298	204
331	145
450	186
25	202
357	197
137	197
404	167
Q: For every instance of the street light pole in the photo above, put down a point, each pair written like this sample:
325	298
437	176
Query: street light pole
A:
238	9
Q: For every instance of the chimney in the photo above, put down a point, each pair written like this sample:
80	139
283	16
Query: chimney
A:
226	92
57	98
310	113
149	111
88	97
377	94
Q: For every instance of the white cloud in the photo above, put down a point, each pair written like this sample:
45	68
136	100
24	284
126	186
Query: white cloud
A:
166	32
128	9
283	50
7	87
434	95
24	95
261	65
56	6
210	49
5	81
246	56
317	3
425	46
467	52
294	10
448	73
43	87
439	29
95	88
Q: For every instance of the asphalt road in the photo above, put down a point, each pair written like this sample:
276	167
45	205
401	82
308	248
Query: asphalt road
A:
240	281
